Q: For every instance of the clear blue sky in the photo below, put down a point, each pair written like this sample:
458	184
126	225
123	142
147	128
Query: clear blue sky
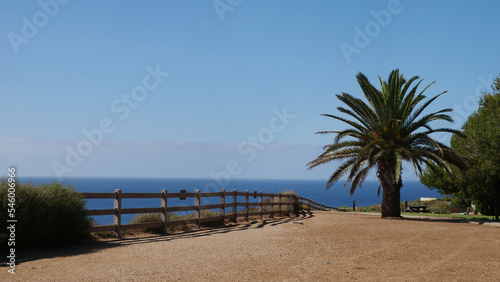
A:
69	66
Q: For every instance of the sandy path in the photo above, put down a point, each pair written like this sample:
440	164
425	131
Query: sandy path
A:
328	246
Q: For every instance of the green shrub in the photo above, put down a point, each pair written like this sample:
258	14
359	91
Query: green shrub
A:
155	217
459	204
276	202
345	208
102	234
147	217
374	208
48	214
269	208
209	213
456	210
438	207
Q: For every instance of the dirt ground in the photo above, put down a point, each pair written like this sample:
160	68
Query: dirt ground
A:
321	246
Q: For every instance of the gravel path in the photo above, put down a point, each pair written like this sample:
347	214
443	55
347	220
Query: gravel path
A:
322	246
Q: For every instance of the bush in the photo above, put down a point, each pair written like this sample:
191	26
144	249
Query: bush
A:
459	204
345	208
439	207
147	217
374	208
48	214
456	210
155	217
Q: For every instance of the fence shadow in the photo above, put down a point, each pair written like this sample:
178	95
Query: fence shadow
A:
93	246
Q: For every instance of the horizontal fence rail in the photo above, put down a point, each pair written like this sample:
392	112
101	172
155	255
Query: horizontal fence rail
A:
280	204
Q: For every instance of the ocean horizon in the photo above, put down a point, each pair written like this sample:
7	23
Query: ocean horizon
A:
336	196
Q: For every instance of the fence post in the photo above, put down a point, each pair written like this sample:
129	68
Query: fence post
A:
223	204
117	219
246	205
260	205
272	204
279	205
197	212
235	205
163	215
299	205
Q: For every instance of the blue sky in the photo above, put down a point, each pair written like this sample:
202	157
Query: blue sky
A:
217	89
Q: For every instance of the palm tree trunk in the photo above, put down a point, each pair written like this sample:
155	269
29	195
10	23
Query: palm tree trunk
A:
390	200
391	191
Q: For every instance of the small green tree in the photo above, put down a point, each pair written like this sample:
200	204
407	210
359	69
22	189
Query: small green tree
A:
481	182
434	178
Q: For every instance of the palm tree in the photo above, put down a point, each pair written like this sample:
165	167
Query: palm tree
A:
384	132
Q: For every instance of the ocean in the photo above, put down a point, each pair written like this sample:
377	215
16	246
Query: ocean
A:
336	196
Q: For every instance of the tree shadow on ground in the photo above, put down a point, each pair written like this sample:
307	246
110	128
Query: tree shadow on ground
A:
424	218
450	220
92	246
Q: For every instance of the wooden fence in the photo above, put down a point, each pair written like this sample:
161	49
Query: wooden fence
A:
307	204
281	204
